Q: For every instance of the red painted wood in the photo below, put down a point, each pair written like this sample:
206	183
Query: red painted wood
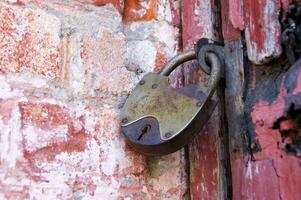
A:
260	180
204	165
270	173
273	174
236	13
229	31
263	31
199	21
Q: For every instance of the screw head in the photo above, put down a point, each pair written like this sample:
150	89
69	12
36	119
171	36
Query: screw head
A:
141	82
168	135
155	85
124	120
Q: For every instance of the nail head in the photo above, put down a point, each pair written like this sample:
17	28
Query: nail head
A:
141	82
168	135
124	120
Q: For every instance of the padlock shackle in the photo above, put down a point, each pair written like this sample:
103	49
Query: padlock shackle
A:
216	71
213	60
179	59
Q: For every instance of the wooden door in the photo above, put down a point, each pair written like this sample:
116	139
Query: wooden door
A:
252	151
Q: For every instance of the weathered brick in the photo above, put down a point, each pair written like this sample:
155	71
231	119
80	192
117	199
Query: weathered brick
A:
89	58
117	3
169	11
29	41
140	55
73	150
144	10
71	147
10	140
103	60
150	45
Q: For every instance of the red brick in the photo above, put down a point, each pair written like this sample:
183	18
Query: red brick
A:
144	10
30	41
68	150
69	133
103	59
116	3
160	61
73	149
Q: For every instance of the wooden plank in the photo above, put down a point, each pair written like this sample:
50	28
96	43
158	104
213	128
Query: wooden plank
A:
263	139
235	85
274	158
229	31
208	179
263	31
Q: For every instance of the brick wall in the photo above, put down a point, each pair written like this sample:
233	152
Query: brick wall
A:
66	67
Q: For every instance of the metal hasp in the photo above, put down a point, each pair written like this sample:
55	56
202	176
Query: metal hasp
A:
158	119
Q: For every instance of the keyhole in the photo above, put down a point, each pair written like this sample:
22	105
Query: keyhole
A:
145	129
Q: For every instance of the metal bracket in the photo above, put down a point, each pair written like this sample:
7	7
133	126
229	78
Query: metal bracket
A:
205	46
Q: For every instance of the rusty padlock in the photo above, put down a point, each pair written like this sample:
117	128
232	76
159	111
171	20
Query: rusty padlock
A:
158	119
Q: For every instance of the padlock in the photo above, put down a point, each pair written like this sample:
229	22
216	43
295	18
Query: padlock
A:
158	119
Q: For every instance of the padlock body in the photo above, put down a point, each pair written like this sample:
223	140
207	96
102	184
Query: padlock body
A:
158	119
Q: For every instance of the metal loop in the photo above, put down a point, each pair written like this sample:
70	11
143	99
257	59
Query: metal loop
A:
213	59
202	55
216	72
179	59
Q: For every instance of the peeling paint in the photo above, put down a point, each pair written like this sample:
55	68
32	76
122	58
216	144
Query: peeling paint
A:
263	31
